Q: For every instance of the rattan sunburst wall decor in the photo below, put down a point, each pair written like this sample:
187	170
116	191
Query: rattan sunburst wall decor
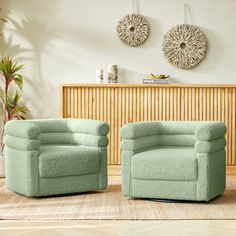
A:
184	45
133	29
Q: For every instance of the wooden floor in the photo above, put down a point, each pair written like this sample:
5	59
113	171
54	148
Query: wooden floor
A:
121	228
114	228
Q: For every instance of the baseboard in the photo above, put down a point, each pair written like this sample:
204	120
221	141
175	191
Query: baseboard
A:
231	170
115	170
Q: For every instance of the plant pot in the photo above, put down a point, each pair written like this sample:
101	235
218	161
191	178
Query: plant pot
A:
2	166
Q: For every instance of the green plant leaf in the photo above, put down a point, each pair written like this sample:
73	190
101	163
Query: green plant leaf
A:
19	81
16	68
10	105
9	69
15	109
16	98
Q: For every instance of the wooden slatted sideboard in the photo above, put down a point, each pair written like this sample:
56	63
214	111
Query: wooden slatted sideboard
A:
118	104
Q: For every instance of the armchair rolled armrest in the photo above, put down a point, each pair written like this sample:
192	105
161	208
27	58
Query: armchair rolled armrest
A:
210	146
89	140
93	127
88	132
139	136
22	144
210	131
210	137
22	129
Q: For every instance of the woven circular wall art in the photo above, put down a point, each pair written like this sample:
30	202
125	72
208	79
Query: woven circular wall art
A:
184	46
133	30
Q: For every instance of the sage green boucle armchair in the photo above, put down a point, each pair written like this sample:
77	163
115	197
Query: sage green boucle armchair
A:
49	157
181	160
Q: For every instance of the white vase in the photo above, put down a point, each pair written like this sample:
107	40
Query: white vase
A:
2	166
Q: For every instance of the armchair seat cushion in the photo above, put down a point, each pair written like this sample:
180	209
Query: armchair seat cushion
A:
67	160
166	163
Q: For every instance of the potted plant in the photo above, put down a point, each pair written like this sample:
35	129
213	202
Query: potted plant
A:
10	96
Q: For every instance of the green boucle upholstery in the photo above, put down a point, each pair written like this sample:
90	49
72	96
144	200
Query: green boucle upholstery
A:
165	164
58	161
210	131
21	143
210	146
49	157
182	160
73	138
157	140
24	130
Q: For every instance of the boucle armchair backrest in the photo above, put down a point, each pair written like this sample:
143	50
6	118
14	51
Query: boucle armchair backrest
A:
140	135
176	134
73	131
61	131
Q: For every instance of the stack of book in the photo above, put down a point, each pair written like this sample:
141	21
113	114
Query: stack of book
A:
155	81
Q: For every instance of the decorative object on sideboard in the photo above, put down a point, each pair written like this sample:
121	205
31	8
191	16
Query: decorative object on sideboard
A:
156	79
99	76
184	45
112	74
11	108
133	29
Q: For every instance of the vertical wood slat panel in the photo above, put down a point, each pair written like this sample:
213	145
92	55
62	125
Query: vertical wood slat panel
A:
226	119
233	127
120	105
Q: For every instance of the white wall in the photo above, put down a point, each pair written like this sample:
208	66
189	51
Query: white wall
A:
64	41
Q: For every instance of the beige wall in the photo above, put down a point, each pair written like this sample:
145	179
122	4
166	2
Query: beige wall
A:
64	41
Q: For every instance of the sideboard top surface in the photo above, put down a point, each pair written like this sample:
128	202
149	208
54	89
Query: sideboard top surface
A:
127	85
